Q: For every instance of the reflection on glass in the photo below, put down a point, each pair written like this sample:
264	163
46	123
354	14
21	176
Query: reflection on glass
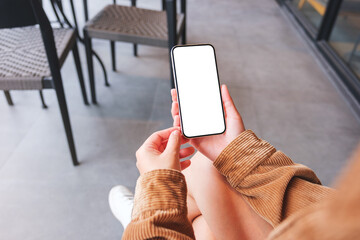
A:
345	37
313	10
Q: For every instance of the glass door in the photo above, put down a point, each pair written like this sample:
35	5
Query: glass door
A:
345	36
312	10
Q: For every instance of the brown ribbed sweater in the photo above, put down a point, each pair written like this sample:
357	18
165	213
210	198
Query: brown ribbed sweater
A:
274	186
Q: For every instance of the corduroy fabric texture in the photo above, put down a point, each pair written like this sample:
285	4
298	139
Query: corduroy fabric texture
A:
274	186
160	210
336	218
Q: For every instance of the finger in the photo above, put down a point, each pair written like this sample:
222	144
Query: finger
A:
159	137
173	95
229	105
186	152
173	144
185	164
176	121
184	140
174	109
162	147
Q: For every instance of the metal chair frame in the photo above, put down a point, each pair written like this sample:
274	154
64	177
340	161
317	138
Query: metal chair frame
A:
63	19
171	12
34	14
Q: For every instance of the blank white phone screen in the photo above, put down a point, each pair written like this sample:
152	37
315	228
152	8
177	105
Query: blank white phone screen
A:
201	110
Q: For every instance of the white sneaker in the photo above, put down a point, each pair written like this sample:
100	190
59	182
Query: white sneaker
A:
121	201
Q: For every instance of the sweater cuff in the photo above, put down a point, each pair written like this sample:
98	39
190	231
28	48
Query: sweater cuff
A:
241	156
160	189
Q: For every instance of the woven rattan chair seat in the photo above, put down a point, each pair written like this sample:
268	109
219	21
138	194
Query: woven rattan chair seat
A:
132	24
23	61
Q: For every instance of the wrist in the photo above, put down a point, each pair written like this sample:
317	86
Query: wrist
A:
149	163
156	170
241	156
224	144
218	150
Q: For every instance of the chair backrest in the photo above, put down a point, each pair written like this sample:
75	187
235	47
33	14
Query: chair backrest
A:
16	13
49	41
21	13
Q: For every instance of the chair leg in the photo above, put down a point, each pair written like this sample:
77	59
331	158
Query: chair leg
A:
113	55
183	37
80	73
135	50
133	4
42	99
183	11
86	10
8	98
59	89
171	21
90	63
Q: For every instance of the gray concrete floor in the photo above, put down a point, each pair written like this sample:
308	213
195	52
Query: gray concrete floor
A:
279	88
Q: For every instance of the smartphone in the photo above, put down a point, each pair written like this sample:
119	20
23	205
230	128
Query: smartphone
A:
198	90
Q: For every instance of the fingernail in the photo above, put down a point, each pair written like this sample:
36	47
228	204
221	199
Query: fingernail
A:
176	133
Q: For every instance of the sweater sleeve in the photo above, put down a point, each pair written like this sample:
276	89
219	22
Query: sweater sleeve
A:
160	210
273	185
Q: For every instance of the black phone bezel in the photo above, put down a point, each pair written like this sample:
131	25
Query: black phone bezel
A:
177	91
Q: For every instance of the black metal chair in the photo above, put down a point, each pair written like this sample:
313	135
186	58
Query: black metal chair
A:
62	19
135	25
31	56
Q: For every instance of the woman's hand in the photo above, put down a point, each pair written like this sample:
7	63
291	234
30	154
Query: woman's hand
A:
162	151
212	146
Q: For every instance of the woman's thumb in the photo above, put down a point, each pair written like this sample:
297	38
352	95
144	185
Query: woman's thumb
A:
174	142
